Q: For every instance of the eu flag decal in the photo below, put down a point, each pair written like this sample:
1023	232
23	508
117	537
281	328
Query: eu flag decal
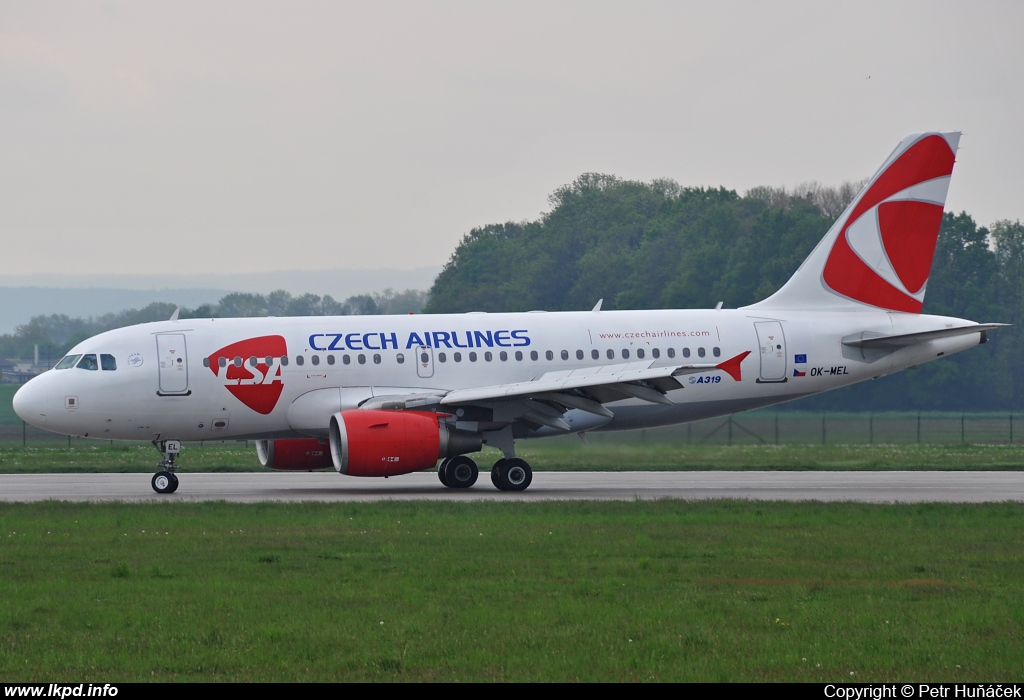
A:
800	359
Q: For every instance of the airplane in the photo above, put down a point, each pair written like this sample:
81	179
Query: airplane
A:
390	395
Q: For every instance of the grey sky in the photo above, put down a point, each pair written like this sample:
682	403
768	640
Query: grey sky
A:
204	137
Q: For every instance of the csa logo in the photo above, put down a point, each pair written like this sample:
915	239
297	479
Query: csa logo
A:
883	254
260	386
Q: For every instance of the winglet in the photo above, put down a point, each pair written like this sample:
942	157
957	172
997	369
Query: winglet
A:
597	306
174	316
732	365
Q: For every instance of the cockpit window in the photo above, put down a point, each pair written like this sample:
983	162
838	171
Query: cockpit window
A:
88	362
68	361
107	362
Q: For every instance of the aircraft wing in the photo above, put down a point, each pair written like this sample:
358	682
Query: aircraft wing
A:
586	388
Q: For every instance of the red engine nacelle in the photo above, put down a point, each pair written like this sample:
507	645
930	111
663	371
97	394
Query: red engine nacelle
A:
386	443
294	455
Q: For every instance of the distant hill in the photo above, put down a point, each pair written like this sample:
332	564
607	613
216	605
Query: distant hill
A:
25	296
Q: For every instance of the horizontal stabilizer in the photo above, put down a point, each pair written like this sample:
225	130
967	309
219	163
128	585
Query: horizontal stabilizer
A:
869	340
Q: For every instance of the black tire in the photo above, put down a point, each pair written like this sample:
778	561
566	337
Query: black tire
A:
461	472
515	475
441	471
165	482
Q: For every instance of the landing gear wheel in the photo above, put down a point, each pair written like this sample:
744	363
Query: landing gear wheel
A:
165	482
512	474
461	472
441	471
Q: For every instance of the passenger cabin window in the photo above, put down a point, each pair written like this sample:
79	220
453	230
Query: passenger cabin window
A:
579	354
625	354
315	359
88	362
565	354
655	353
206	362
330	359
299	360
534	355
503	355
595	354
671	352
611	354
686	352
549	355
108	363
640	353
717	352
700	352
284	360
400	358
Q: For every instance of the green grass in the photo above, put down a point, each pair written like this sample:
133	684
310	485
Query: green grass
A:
554	455
7	414
643	591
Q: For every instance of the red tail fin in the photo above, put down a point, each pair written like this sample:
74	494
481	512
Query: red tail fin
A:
879	252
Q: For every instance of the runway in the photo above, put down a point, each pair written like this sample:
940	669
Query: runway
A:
865	487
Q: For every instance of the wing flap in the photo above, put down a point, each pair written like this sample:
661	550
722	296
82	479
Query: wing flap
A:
567	380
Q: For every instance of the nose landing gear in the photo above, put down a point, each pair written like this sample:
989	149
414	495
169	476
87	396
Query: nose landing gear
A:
165	481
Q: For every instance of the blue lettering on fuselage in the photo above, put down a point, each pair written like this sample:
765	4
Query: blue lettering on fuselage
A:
432	339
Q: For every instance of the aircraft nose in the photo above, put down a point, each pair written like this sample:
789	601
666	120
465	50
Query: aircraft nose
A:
29	404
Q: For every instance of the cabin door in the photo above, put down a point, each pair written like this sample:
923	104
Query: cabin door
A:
773	351
173	363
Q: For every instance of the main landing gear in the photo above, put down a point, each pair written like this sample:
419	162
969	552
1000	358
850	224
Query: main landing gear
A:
507	474
165	481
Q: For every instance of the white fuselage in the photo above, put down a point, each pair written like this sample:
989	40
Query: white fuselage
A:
164	386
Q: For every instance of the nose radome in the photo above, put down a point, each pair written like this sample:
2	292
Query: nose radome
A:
29	405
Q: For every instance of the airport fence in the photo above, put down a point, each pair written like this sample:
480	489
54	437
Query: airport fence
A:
764	427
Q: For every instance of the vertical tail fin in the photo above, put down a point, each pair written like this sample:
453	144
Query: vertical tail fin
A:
879	252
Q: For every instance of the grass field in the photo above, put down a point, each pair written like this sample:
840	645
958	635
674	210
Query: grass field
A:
555	455
654	591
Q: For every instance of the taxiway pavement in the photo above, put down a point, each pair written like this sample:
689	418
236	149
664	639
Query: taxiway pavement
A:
861	486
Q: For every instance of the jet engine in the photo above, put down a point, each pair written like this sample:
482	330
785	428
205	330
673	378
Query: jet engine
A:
386	443
294	455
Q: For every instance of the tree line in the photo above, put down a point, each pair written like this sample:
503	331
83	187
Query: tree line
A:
658	245
57	333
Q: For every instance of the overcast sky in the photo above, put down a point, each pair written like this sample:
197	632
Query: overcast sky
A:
206	137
